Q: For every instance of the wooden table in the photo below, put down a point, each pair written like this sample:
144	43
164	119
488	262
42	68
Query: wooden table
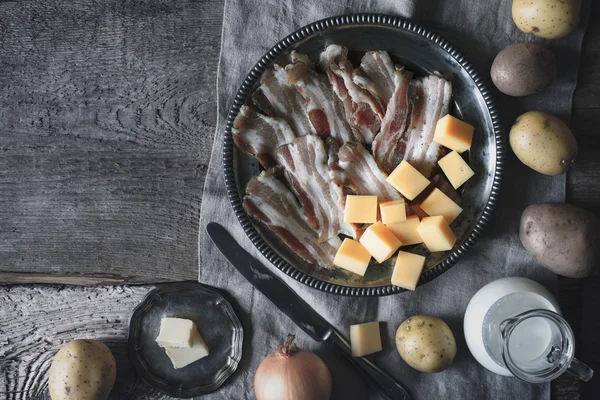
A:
107	115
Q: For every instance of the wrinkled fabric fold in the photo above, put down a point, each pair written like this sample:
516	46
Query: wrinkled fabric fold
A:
480	30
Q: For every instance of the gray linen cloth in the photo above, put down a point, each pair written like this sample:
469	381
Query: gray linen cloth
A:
480	30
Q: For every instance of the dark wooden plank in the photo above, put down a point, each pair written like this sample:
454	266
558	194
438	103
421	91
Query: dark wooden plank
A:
587	94
107	113
580	299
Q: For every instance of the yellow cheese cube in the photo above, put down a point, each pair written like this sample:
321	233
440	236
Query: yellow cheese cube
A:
407	270
407	180
353	257
365	339
392	211
380	241
453	133
436	233
437	203
360	209
456	169
406	231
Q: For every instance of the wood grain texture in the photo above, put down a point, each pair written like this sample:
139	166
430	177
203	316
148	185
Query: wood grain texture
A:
107	114
37	320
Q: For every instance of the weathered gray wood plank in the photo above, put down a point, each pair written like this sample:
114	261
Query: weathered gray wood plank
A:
37	320
107	113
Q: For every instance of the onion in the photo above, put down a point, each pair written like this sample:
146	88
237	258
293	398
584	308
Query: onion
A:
292	374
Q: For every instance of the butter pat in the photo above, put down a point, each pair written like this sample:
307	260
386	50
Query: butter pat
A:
392	211
175	332
380	241
406	231
360	209
407	270
352	256
453	133
407	180
436	233
437	203
182	357
456	169
365	339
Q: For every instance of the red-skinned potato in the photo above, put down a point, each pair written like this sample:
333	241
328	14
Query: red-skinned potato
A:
523	69
562	237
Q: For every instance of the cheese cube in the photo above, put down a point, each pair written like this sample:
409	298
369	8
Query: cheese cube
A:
436	234
182	357
353	257
407	270
175	332
392	211
360	209
407	180
453	133
437	203
406	231
365	339
456	169
380	241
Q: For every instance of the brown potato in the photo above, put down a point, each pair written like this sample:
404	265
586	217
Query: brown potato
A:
523	69
550	19
543	142
561	237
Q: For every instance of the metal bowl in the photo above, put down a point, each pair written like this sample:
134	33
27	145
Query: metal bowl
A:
420	51
217	323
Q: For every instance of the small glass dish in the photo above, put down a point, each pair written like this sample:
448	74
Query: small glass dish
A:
217	323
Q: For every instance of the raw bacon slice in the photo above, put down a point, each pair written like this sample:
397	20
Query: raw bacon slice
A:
270	202
276	97
305	161
376	75
259	135
387	146
360	172
362	110
325	110
420	149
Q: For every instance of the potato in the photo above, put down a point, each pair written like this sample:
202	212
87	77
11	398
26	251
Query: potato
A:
523	69
550	19
426	343
82	370
543	142
561	237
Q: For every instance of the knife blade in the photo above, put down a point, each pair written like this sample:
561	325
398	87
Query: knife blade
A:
299	311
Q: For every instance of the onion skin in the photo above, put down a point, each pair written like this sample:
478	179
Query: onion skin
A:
292	374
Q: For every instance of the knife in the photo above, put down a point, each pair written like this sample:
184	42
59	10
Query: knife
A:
302	314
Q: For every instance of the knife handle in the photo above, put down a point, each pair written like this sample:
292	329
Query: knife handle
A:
377	379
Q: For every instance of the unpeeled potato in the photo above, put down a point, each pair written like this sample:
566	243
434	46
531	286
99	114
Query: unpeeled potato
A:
523	69
426	343
543	142
550	19
562	237
82	370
